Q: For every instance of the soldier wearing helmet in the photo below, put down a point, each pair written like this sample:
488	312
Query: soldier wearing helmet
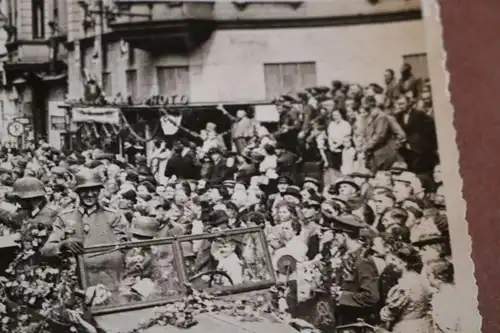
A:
87	225
144	228
29	194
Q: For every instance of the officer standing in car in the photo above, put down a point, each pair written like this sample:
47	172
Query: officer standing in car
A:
87	225
29	193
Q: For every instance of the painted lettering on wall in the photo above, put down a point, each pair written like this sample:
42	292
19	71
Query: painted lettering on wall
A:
159	100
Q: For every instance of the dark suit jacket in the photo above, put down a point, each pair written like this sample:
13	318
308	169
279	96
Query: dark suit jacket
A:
219	172
184	167
420	132
381	147
410	84
309	115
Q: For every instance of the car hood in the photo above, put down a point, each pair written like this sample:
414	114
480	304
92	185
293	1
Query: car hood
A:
207	322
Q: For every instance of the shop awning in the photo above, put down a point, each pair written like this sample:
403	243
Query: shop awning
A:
49	77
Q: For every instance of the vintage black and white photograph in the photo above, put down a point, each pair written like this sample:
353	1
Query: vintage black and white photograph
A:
229	166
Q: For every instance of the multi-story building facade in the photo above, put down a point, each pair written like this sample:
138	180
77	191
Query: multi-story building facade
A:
217	51
209	51
34	70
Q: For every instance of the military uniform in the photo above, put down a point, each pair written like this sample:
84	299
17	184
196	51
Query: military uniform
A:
358	281
29	188
96	226
357	278
15	220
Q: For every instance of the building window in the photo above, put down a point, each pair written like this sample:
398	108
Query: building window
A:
131	56
106	84
105	57
288	78
131	75
173	80
38	19
419	65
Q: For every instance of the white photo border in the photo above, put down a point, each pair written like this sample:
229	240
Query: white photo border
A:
461	242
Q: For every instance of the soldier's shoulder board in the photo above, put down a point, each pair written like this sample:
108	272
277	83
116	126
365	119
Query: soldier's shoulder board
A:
67	211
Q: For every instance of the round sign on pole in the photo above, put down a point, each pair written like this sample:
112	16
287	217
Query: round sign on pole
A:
15	129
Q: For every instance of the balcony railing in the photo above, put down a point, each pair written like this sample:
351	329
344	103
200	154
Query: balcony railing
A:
149	11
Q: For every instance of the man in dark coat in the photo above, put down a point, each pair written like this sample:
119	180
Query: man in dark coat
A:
420	150
380	148
310	112
183	163
391	84
219	170
408	83
289	126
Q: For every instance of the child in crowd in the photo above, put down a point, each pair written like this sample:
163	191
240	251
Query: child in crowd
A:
348	156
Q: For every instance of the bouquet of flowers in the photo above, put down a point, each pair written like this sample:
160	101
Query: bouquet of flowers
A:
37	295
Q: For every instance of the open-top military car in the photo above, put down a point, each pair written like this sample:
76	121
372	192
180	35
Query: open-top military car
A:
227	284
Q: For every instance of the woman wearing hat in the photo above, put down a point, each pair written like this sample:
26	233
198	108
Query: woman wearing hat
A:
276	198
432	246
219	170
396	218
361	177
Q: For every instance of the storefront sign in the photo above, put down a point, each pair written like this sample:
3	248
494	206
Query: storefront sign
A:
97	115
159	100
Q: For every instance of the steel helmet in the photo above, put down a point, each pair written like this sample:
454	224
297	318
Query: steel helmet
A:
144	226
28	187
86	178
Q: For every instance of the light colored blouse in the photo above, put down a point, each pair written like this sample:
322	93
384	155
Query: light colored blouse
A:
445	313
408	305
337	132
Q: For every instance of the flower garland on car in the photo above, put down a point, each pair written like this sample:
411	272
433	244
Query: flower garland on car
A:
183	313
37	295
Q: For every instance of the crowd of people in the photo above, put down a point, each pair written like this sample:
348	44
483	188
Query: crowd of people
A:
350	179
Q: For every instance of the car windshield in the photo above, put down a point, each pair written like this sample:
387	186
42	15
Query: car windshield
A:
149	273
227	261
124	275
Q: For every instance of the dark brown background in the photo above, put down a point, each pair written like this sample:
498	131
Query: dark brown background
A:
472	41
